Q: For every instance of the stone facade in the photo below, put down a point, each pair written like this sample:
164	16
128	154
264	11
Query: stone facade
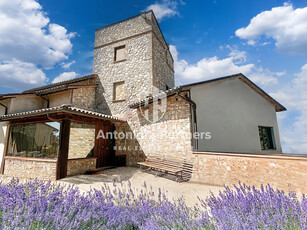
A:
80	166
163	65
280	171
84	98
148	62
135	72
81	141
148	65
170	136
43	169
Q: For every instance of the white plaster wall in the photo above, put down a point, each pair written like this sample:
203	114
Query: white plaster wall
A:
232	112
26	103
59	99
3	132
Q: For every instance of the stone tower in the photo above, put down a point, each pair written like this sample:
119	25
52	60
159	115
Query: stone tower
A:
130	58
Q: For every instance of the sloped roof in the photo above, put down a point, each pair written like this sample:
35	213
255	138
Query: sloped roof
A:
170	92
61	84
62	108
150	99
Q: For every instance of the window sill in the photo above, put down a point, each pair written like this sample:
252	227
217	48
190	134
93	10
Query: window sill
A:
119	61
115	101
31	159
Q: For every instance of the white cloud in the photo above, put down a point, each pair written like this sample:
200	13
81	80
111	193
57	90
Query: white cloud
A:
213	67
64	77
24	73
265	77
251	42
27	36
286	25
164	9
66	65
238	56
294	96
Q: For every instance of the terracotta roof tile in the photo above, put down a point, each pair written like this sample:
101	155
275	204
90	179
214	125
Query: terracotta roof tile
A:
62	108
61	84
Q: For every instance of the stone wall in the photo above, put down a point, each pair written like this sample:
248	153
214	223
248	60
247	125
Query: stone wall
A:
135	72
163	69
163	63
170	136
84	98
122	30
148	62
80	166
81	141
281	171
43	169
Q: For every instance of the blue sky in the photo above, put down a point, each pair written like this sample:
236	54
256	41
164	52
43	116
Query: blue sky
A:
47	41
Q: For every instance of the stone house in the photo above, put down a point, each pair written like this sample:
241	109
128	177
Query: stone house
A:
63	129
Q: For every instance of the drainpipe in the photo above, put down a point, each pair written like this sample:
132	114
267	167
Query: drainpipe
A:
193	105
5	108
44	99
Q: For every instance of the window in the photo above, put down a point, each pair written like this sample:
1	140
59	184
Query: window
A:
119	91
34	140
120	53
266	138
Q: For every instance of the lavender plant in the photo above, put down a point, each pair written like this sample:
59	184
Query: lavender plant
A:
246	207
43	205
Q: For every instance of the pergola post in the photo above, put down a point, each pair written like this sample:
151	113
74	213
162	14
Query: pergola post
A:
61	171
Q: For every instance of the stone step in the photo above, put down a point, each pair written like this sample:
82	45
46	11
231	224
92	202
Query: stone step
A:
93	171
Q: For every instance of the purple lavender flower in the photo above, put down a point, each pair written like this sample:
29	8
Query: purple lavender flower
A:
42	205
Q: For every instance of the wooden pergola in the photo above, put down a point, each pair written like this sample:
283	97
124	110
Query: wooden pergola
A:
65	115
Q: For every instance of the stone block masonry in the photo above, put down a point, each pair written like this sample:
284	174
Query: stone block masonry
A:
42	169
148	62
282	171
135	74
147	65
84	98
80	166
81	141
170	136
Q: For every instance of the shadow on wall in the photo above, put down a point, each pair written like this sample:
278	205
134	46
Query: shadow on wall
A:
176	109
101	103
129	147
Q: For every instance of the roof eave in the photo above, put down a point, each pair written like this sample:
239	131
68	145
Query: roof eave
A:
63	108
84	78
278	107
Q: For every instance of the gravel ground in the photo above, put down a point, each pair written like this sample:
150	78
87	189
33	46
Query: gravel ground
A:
120	177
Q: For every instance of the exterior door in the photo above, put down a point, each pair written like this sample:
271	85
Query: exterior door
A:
104	144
